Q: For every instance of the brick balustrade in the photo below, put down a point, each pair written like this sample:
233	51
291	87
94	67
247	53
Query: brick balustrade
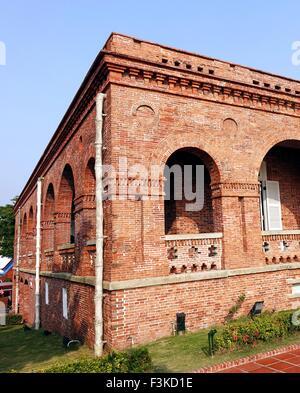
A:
281	246
194	252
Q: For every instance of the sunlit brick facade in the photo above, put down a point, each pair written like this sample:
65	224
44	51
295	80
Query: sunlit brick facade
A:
168	106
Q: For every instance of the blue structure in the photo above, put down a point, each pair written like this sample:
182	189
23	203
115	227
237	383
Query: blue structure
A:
6	265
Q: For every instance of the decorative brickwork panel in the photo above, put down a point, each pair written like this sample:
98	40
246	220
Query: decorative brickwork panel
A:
281	247
194	255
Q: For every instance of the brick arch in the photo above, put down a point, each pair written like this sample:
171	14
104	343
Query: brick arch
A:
90	177
283	163
171	144
48	218
24	224
270	142
49	203
65	207
178	219
30	225
66	192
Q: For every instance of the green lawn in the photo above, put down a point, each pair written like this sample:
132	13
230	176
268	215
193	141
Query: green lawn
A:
32	351
189	352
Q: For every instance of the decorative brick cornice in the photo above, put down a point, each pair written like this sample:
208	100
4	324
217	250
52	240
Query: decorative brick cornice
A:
209	88
193	240
284	235
235	189
123	185
49	224
62	217
87	201
112	67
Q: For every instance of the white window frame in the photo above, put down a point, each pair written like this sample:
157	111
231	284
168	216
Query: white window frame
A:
265	205
276	205
65	303
46	293
296	289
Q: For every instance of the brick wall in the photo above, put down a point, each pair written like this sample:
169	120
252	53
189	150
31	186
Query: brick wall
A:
205	303
162	102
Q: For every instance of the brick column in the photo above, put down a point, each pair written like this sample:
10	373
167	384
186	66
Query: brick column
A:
242	242
47	243
61	236
85	226
136	235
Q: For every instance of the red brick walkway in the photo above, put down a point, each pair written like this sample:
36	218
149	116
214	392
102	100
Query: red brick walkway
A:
288	362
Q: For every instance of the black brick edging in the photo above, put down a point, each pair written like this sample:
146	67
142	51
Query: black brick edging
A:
248	359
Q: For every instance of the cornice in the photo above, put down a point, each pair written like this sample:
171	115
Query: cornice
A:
217	89
110	67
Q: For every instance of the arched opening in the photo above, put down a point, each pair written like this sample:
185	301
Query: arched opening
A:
279	179
90	177
48	218
24	234
188	173
66	207
88	218
30	230
49	203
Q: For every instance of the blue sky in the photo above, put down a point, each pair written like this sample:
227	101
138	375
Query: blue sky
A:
51	44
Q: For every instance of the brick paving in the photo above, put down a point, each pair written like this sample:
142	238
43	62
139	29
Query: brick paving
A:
288	362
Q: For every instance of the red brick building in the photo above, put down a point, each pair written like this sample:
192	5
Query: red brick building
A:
166	106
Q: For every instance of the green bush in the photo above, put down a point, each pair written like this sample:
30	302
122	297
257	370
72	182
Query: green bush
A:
14	319
132	361
247	331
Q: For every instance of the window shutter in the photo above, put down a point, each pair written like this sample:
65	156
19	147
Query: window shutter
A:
273	206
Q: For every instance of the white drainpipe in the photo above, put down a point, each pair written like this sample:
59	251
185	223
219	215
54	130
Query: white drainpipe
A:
38	253
18	262
99	228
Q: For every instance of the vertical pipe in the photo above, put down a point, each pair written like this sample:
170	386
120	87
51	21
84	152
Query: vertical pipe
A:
99	228
18	262
38	253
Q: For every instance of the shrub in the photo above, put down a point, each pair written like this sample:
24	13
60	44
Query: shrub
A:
132	361
14	319
247	331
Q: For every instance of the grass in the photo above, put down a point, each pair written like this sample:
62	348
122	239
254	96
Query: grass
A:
190	352
31	351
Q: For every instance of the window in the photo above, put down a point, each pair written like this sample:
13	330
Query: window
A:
270	206
273	205
296	289
65	303
46	293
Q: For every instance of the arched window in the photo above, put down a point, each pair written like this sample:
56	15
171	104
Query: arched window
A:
187	171
88	229
30	230
90	177
49	204
48	218
24	225
279	179
24	235
66	206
